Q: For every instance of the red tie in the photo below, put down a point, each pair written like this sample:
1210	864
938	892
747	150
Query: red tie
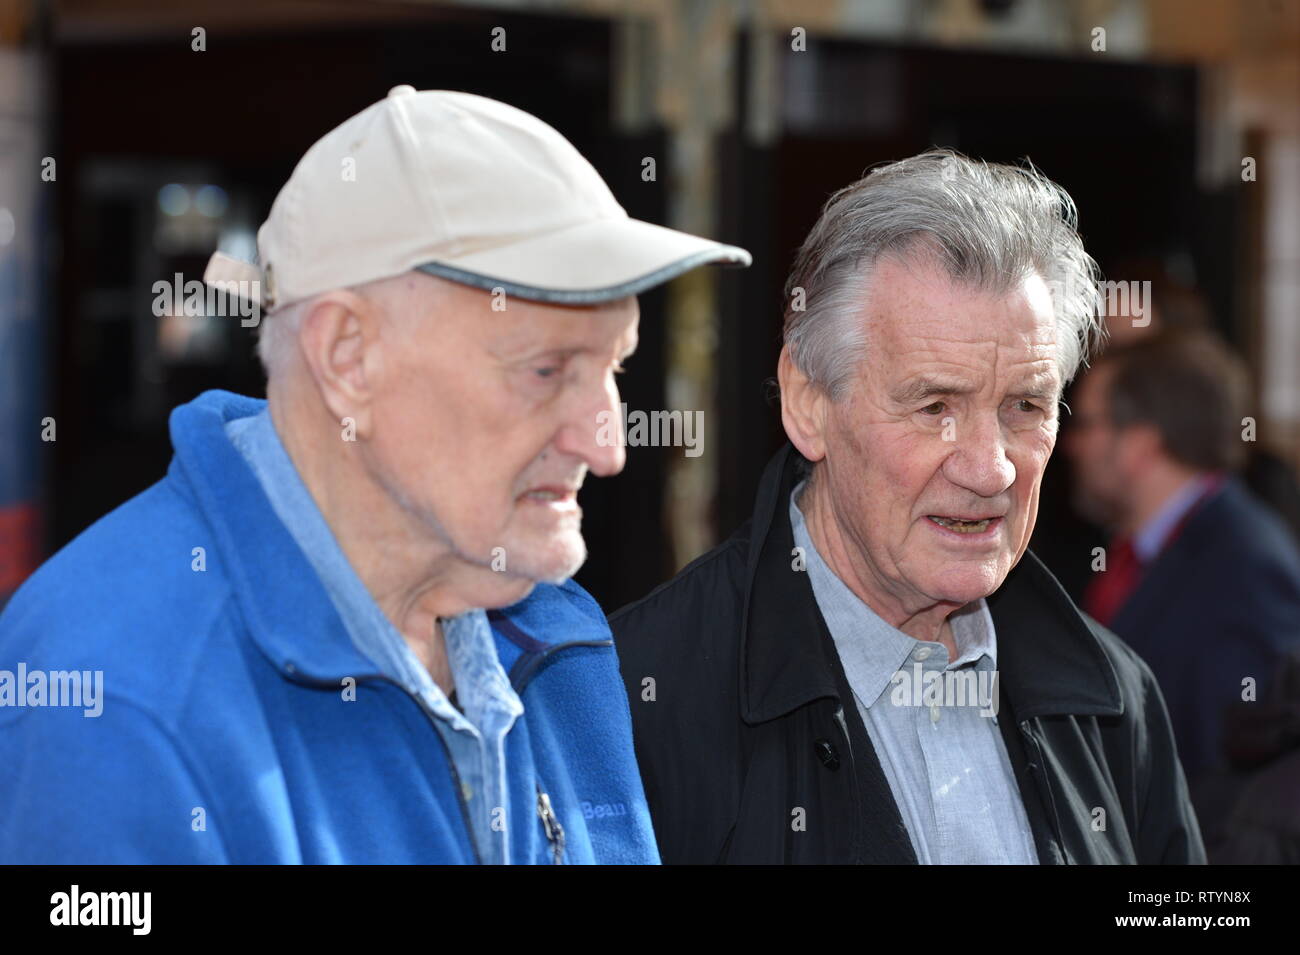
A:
1109	589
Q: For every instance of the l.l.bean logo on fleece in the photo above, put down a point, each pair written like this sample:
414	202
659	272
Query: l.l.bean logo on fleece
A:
602	810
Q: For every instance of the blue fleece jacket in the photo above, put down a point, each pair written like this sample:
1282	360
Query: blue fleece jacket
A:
225	733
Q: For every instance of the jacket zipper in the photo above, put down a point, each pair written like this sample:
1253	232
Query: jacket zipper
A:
525	668
551	825
853	779
299	677
844	727
1040	775
550	820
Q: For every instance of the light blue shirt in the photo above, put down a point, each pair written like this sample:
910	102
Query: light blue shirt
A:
1150	539
475	738
941	751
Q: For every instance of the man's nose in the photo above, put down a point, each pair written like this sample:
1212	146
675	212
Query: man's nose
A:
979	462
594	431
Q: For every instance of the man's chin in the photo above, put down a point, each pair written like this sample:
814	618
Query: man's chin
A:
964	585
552	563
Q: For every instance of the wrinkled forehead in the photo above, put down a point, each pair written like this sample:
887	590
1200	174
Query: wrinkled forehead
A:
923	317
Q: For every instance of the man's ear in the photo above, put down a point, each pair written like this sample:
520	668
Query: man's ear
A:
803	408
339	339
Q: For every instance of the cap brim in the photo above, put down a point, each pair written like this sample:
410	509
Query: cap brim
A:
587	264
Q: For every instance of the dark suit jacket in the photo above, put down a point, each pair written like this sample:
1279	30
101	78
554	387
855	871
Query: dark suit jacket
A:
1219	604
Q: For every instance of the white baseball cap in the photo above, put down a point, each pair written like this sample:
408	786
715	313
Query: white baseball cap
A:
462	187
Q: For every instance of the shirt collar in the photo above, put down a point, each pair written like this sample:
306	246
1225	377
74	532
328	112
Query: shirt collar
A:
1150	538
288	614
481	683
872	649
290	617
1050	660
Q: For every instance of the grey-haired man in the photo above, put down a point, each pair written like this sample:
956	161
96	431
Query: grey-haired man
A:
874	668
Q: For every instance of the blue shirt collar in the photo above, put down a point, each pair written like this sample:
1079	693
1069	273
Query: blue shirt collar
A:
877	650
481	683
1150	538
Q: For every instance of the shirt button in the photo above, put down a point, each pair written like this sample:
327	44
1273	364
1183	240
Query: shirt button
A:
934	713
467	791
922	653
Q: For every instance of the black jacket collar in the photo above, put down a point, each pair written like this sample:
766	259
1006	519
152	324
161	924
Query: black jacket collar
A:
1050	661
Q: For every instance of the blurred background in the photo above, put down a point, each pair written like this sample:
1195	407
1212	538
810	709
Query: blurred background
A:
137	137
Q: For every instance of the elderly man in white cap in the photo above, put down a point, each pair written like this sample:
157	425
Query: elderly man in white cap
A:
341	628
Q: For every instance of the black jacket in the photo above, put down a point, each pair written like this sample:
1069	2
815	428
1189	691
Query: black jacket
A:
742	716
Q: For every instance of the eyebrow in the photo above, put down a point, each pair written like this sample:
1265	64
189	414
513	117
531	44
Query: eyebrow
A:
1042	386
1043	392
528	350
914	389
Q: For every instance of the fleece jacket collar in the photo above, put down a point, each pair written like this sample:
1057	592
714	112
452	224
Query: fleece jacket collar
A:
290	616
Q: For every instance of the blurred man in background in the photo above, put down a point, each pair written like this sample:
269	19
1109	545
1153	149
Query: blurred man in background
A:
1175	304
1199	577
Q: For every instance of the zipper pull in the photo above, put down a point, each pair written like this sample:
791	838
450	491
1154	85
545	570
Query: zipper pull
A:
551	824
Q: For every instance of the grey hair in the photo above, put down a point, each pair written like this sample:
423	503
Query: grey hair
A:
987	224
277	337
